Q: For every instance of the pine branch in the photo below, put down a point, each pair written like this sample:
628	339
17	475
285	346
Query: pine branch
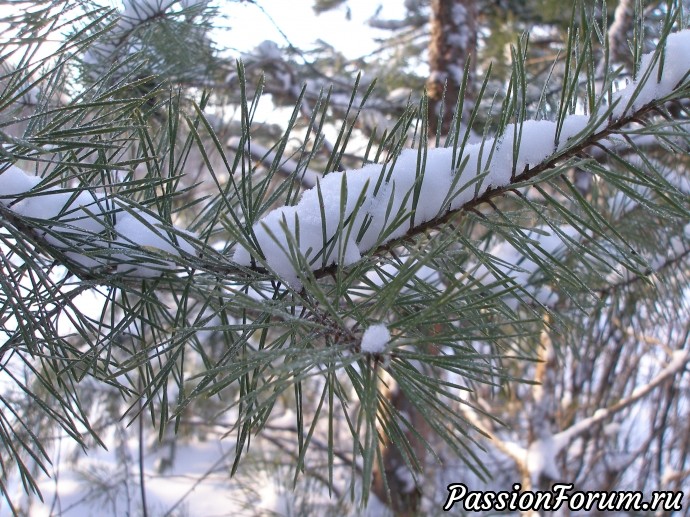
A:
358	218
397	225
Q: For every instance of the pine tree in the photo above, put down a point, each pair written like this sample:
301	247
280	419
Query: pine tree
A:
493	292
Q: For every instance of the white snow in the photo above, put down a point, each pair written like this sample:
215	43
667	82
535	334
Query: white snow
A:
375	339
379	203
649	84
13	181
83	216
645	88
541	459
142	230
274	500
74	209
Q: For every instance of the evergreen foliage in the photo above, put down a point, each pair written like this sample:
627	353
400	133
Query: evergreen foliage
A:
539	307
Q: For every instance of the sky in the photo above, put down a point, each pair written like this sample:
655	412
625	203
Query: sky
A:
251	24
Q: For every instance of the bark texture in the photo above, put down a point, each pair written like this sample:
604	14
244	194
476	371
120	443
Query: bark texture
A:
453	44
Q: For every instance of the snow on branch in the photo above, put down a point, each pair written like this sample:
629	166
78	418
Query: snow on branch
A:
346	213
124	39
375	339
539	458
92	229
679	361
349	213
541	455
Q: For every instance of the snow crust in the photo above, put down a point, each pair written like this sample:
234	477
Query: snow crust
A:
650	83
349	213
375	339
14	181
82	220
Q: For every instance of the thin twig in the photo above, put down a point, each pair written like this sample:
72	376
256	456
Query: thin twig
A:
142	485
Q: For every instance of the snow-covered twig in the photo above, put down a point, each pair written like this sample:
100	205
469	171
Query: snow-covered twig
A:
679	361
540	456
86	225
349	213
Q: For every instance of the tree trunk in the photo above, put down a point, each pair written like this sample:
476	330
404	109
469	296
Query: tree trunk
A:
404	494
453	44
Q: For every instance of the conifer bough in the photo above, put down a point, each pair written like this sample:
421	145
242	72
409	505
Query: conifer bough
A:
87	223
349	213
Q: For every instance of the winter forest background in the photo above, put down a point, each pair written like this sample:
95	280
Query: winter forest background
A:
283	279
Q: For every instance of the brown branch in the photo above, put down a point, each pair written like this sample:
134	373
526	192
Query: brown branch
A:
218	265
452	46
677	364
